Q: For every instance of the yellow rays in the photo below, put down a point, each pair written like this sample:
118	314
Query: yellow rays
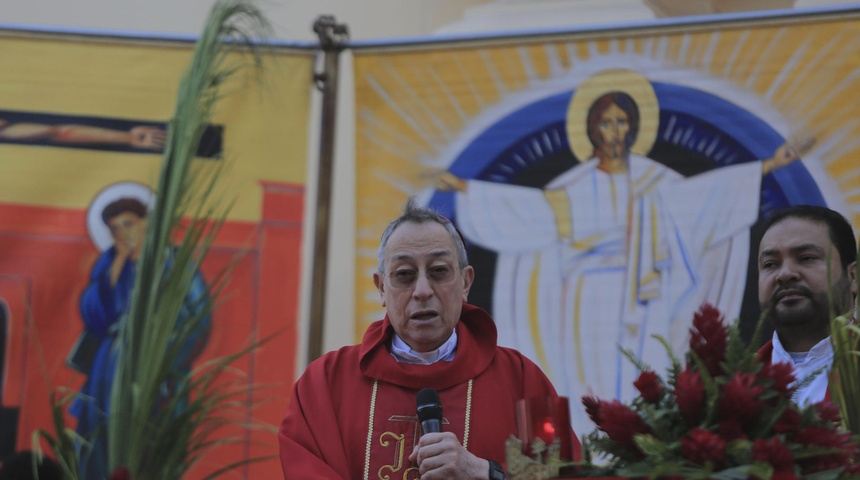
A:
416	109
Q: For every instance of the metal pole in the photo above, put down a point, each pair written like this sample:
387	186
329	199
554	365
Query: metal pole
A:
332	38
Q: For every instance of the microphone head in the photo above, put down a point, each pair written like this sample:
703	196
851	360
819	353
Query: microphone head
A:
429	405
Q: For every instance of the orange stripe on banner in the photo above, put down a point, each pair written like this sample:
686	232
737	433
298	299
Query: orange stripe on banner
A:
42	220
283	201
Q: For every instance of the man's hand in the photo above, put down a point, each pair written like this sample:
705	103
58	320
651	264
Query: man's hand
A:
440	456
447	182
150	138
122	252
787	153
123	249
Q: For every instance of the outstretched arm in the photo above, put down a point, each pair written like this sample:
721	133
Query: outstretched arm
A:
143	137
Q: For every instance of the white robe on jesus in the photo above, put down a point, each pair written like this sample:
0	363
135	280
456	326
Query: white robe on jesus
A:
596	260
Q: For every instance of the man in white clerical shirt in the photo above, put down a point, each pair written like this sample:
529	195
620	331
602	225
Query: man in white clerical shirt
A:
806	252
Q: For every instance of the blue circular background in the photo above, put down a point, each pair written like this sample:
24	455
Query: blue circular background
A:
698	131
504	150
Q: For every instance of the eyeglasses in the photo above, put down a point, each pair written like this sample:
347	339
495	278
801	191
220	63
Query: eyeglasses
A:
406	277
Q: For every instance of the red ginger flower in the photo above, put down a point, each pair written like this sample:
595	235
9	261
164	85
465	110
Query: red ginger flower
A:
703	446
781	374
709	338
690	395
827	438
740	398
731	429
649	387
828	411
789	421
823	463
592	408
621	423
121	473
775	453
820	436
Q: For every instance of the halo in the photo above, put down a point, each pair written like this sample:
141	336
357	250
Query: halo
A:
614	80
99	232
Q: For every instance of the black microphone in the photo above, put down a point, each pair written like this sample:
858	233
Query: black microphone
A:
429	410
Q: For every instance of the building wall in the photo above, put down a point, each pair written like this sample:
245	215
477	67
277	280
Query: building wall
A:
366	19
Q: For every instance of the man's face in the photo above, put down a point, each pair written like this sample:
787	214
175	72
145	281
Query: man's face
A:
423	288
127	230
613	128
795	275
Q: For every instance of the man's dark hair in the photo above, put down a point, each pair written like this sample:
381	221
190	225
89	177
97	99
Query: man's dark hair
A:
626	103
840	231
125	204
412	213
19	466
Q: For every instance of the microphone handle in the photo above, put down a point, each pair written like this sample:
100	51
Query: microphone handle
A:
431	426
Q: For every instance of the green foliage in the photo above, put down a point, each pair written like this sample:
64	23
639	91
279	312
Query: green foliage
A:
675	361
163	418
844	378
63	445
845	375
159	424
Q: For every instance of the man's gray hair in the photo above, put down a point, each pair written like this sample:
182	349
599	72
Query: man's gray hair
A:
412	213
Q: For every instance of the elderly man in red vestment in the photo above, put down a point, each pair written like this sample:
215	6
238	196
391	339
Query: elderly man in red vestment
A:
805	252
353	412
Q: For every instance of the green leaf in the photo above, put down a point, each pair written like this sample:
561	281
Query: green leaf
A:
739	451
63	445
643	469
651	446
742	472
630	355
711	388
845	374
824	475
676	363
755	340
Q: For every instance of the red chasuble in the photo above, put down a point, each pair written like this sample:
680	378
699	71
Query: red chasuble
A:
352	415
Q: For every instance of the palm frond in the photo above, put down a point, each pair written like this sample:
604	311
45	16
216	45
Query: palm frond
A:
162	413
844	381
845	374
63	444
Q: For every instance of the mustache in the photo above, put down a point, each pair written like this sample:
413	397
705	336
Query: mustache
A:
797	288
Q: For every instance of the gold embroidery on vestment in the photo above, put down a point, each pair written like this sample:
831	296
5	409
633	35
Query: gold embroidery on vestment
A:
370	431
387	438
468	415
399	450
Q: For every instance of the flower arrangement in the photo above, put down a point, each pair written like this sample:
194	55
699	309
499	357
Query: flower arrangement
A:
723	414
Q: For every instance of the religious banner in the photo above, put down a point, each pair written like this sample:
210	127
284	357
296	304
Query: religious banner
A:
609	182
83	122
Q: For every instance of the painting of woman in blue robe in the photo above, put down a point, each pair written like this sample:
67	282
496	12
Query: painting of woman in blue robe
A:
103	306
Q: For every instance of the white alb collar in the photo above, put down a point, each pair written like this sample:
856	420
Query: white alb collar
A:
404	353
821	350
